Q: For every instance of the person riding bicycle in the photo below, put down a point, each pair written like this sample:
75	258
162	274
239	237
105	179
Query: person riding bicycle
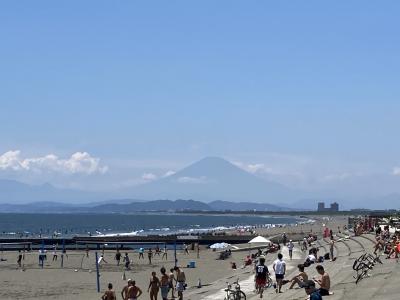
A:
261	275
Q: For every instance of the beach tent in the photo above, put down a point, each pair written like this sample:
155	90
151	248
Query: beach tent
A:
220	246
259	240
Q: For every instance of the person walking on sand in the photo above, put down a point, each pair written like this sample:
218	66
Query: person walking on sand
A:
118	257
165	253
171	279
127	261
164	284
19	260
180	282
261	276
280	270
54	253
154	286
150	255
109	294
290	246
186	248
141	253
134	292
331	246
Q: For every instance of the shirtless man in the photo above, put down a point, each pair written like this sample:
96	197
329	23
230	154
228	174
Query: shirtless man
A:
133	292
300	278
124	292
180	282
154	286
324	282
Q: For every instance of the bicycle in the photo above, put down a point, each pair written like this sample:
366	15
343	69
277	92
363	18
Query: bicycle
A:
363	264
234	294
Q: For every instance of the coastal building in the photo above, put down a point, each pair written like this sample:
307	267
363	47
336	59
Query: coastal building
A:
333	208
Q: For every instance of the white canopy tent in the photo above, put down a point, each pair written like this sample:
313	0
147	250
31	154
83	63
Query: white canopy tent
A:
259	240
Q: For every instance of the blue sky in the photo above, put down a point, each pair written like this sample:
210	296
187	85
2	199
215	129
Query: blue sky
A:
304	90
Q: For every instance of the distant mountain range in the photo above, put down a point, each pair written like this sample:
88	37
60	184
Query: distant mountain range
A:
149	206
212	183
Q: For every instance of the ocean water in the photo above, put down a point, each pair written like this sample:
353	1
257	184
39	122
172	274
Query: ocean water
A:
83	224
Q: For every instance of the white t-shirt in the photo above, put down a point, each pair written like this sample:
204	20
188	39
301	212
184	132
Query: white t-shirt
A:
311	257
279	266
290	246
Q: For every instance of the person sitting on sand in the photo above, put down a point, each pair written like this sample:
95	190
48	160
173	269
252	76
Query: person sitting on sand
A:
313	294
324	282
247	261
300	278
109	294
133	292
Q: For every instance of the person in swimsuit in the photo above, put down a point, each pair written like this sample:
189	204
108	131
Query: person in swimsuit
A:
164	284
150	255
180	282
171	278
109	294
133	292
124	292
154	286
324	282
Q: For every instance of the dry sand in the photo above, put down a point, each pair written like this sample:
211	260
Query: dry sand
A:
74	282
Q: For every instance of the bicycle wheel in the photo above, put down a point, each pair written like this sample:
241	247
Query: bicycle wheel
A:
269	282
231	296
240	295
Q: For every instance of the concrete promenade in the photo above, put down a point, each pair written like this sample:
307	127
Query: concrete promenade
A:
383	283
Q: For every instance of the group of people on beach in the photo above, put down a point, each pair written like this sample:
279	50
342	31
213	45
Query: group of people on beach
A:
262	276
163	285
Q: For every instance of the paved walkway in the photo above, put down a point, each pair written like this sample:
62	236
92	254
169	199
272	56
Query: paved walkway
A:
384	282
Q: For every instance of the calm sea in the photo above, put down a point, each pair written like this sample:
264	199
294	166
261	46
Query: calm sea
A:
76	224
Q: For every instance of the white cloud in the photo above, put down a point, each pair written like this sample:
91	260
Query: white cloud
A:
169	173
78	163
396	171
149	176
196	180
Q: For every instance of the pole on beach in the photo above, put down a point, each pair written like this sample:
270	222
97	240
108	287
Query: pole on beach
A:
62	253
97	273
176	260
42	255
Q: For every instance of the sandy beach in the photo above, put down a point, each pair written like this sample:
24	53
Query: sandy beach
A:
77	280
